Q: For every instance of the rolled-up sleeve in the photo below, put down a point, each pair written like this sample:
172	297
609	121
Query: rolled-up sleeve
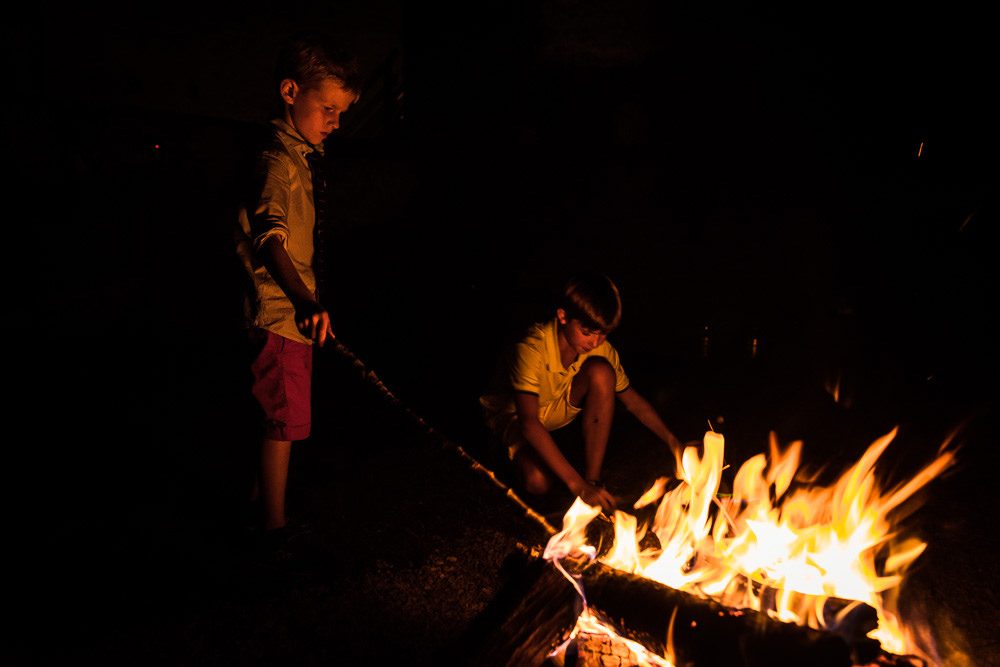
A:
277	203
270	218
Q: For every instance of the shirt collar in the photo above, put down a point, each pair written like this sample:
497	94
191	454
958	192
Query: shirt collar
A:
294	139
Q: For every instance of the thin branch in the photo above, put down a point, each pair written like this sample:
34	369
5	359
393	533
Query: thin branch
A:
373	379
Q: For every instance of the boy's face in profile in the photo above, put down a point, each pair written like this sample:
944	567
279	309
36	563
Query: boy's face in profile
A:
315	112
580	338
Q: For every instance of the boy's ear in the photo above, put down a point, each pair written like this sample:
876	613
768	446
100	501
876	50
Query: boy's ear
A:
288	89
561	314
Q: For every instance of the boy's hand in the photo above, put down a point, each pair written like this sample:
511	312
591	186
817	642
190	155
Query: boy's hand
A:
596	496
313	321
310	317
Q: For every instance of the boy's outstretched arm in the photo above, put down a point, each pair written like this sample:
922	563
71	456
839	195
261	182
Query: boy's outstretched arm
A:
541	440
310	317
647	415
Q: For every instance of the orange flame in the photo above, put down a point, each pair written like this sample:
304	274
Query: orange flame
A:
806	543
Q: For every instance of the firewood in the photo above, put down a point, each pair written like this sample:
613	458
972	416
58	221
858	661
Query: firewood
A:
537	609
534	612
695	631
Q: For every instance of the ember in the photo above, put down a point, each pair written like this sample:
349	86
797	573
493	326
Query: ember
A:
800	553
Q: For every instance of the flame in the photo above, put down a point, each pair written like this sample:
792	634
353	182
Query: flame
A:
589	623
835	388
804	543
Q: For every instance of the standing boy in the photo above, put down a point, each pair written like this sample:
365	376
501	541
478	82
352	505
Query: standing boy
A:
560	369
317	82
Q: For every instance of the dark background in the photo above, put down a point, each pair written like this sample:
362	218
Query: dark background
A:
749	172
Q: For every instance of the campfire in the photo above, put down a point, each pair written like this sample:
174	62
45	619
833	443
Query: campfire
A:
779	570
779	544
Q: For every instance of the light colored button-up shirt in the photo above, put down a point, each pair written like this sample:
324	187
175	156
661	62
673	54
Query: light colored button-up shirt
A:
284	209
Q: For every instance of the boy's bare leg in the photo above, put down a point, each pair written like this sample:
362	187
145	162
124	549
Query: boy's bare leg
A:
594	385
535	475
274	458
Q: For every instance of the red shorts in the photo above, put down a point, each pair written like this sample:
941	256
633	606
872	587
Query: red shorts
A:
282	384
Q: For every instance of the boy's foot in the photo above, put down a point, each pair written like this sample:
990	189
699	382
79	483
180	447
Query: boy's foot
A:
285	547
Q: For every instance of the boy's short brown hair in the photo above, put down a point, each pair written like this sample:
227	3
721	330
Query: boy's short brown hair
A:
309	58
592	299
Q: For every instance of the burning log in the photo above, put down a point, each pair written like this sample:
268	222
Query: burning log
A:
771	545
537	610
530	617
691	630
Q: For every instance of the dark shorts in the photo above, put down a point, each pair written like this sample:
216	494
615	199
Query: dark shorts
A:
282	383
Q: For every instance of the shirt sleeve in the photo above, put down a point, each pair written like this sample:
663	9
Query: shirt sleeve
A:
524	368
270	216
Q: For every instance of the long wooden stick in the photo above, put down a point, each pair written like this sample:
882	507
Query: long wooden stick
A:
373	379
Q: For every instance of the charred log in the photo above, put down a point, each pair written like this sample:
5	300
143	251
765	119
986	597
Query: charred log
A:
694	631
849	619
537	609
534	612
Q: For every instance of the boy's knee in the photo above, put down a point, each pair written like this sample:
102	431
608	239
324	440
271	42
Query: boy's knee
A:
537	483
535	480
595	381
599	373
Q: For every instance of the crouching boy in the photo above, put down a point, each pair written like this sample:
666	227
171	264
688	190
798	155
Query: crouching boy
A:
561	369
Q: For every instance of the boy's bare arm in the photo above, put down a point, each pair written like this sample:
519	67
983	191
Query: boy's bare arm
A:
541	440
310	317
635	403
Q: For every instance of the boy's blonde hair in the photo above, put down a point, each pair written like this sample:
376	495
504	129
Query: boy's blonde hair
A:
592	299
310	58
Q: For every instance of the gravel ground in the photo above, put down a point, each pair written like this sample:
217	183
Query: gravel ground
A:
407	542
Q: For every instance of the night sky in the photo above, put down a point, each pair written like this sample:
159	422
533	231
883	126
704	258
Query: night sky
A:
755	171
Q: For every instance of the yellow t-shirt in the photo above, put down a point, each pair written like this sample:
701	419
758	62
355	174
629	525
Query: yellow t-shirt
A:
534	366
